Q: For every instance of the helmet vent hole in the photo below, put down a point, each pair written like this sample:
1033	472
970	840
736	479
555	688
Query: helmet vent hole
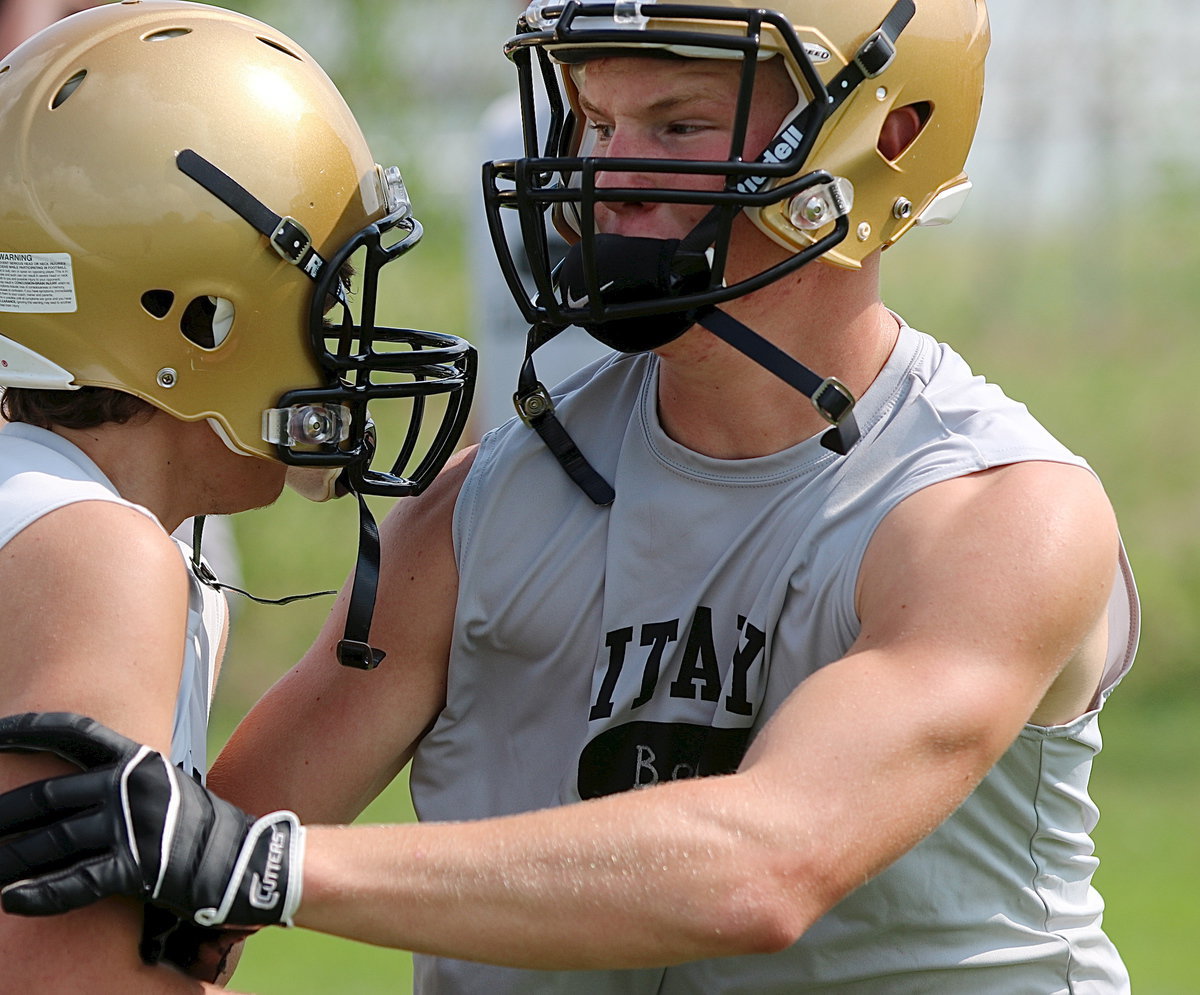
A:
158	302
67	89
166	34
206	321
279	47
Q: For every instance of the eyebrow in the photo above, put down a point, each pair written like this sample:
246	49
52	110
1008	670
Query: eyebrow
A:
700	95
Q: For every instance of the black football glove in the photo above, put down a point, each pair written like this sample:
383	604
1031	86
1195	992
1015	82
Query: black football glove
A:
132	824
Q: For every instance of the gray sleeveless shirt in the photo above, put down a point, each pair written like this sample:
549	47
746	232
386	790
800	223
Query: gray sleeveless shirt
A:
601	649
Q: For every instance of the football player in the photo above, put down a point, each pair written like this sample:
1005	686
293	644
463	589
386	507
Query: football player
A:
192	238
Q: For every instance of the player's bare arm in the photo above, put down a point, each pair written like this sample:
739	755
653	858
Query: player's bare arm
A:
70	600
325	740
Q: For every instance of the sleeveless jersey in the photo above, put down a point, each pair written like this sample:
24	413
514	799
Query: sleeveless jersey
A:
40	472
601	649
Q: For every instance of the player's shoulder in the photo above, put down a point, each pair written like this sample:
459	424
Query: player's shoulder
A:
94	573
429	514
445	488
1044	525
117	536
1025	497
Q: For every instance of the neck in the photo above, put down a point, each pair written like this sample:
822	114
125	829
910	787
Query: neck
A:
716	401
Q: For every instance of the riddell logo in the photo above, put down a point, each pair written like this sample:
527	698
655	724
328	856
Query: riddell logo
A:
816	53
782	149
264	891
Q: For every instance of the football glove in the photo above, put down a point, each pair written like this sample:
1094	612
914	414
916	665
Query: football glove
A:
131	824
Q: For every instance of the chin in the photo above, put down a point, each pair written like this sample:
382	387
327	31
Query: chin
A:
257	484
269	493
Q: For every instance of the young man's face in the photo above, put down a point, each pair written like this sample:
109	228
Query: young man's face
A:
654	108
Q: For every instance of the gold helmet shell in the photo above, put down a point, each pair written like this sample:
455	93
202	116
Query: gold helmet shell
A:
120	270
937	69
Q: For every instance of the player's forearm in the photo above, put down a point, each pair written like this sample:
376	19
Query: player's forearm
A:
643	879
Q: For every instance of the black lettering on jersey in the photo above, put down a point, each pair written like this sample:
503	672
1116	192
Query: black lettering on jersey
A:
697	665
616	641
656	635
642	754
736	701
699	662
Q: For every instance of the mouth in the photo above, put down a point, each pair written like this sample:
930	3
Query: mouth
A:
641	219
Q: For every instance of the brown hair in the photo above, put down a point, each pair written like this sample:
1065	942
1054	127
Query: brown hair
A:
83	408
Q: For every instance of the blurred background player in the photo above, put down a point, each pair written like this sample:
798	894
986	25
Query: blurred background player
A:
499	328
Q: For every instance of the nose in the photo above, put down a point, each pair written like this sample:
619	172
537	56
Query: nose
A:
625	143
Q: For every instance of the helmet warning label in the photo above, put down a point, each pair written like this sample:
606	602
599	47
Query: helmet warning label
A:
37	283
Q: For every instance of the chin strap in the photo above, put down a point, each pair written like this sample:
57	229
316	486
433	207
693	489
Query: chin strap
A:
286	235
353	649
830	396
536	408
874	55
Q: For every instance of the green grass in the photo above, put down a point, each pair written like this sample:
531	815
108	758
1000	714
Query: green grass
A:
1145	784
1095	331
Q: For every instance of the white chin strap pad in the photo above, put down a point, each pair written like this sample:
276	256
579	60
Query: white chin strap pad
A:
945	206
317	483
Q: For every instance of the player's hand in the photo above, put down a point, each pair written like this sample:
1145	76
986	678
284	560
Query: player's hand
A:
131	824
206	953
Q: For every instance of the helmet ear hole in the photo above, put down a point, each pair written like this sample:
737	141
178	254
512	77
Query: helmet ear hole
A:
206	321
158	302
901	129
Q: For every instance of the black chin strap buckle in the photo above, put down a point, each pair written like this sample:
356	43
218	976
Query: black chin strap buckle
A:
877	53
833	400
294	245
536	408
874	55
835	404
830	396
359	655
533	402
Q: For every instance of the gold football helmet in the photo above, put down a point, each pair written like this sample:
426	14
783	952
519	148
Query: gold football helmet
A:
822	188
190	213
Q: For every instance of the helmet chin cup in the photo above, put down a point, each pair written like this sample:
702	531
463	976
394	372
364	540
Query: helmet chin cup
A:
315	483
630	274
